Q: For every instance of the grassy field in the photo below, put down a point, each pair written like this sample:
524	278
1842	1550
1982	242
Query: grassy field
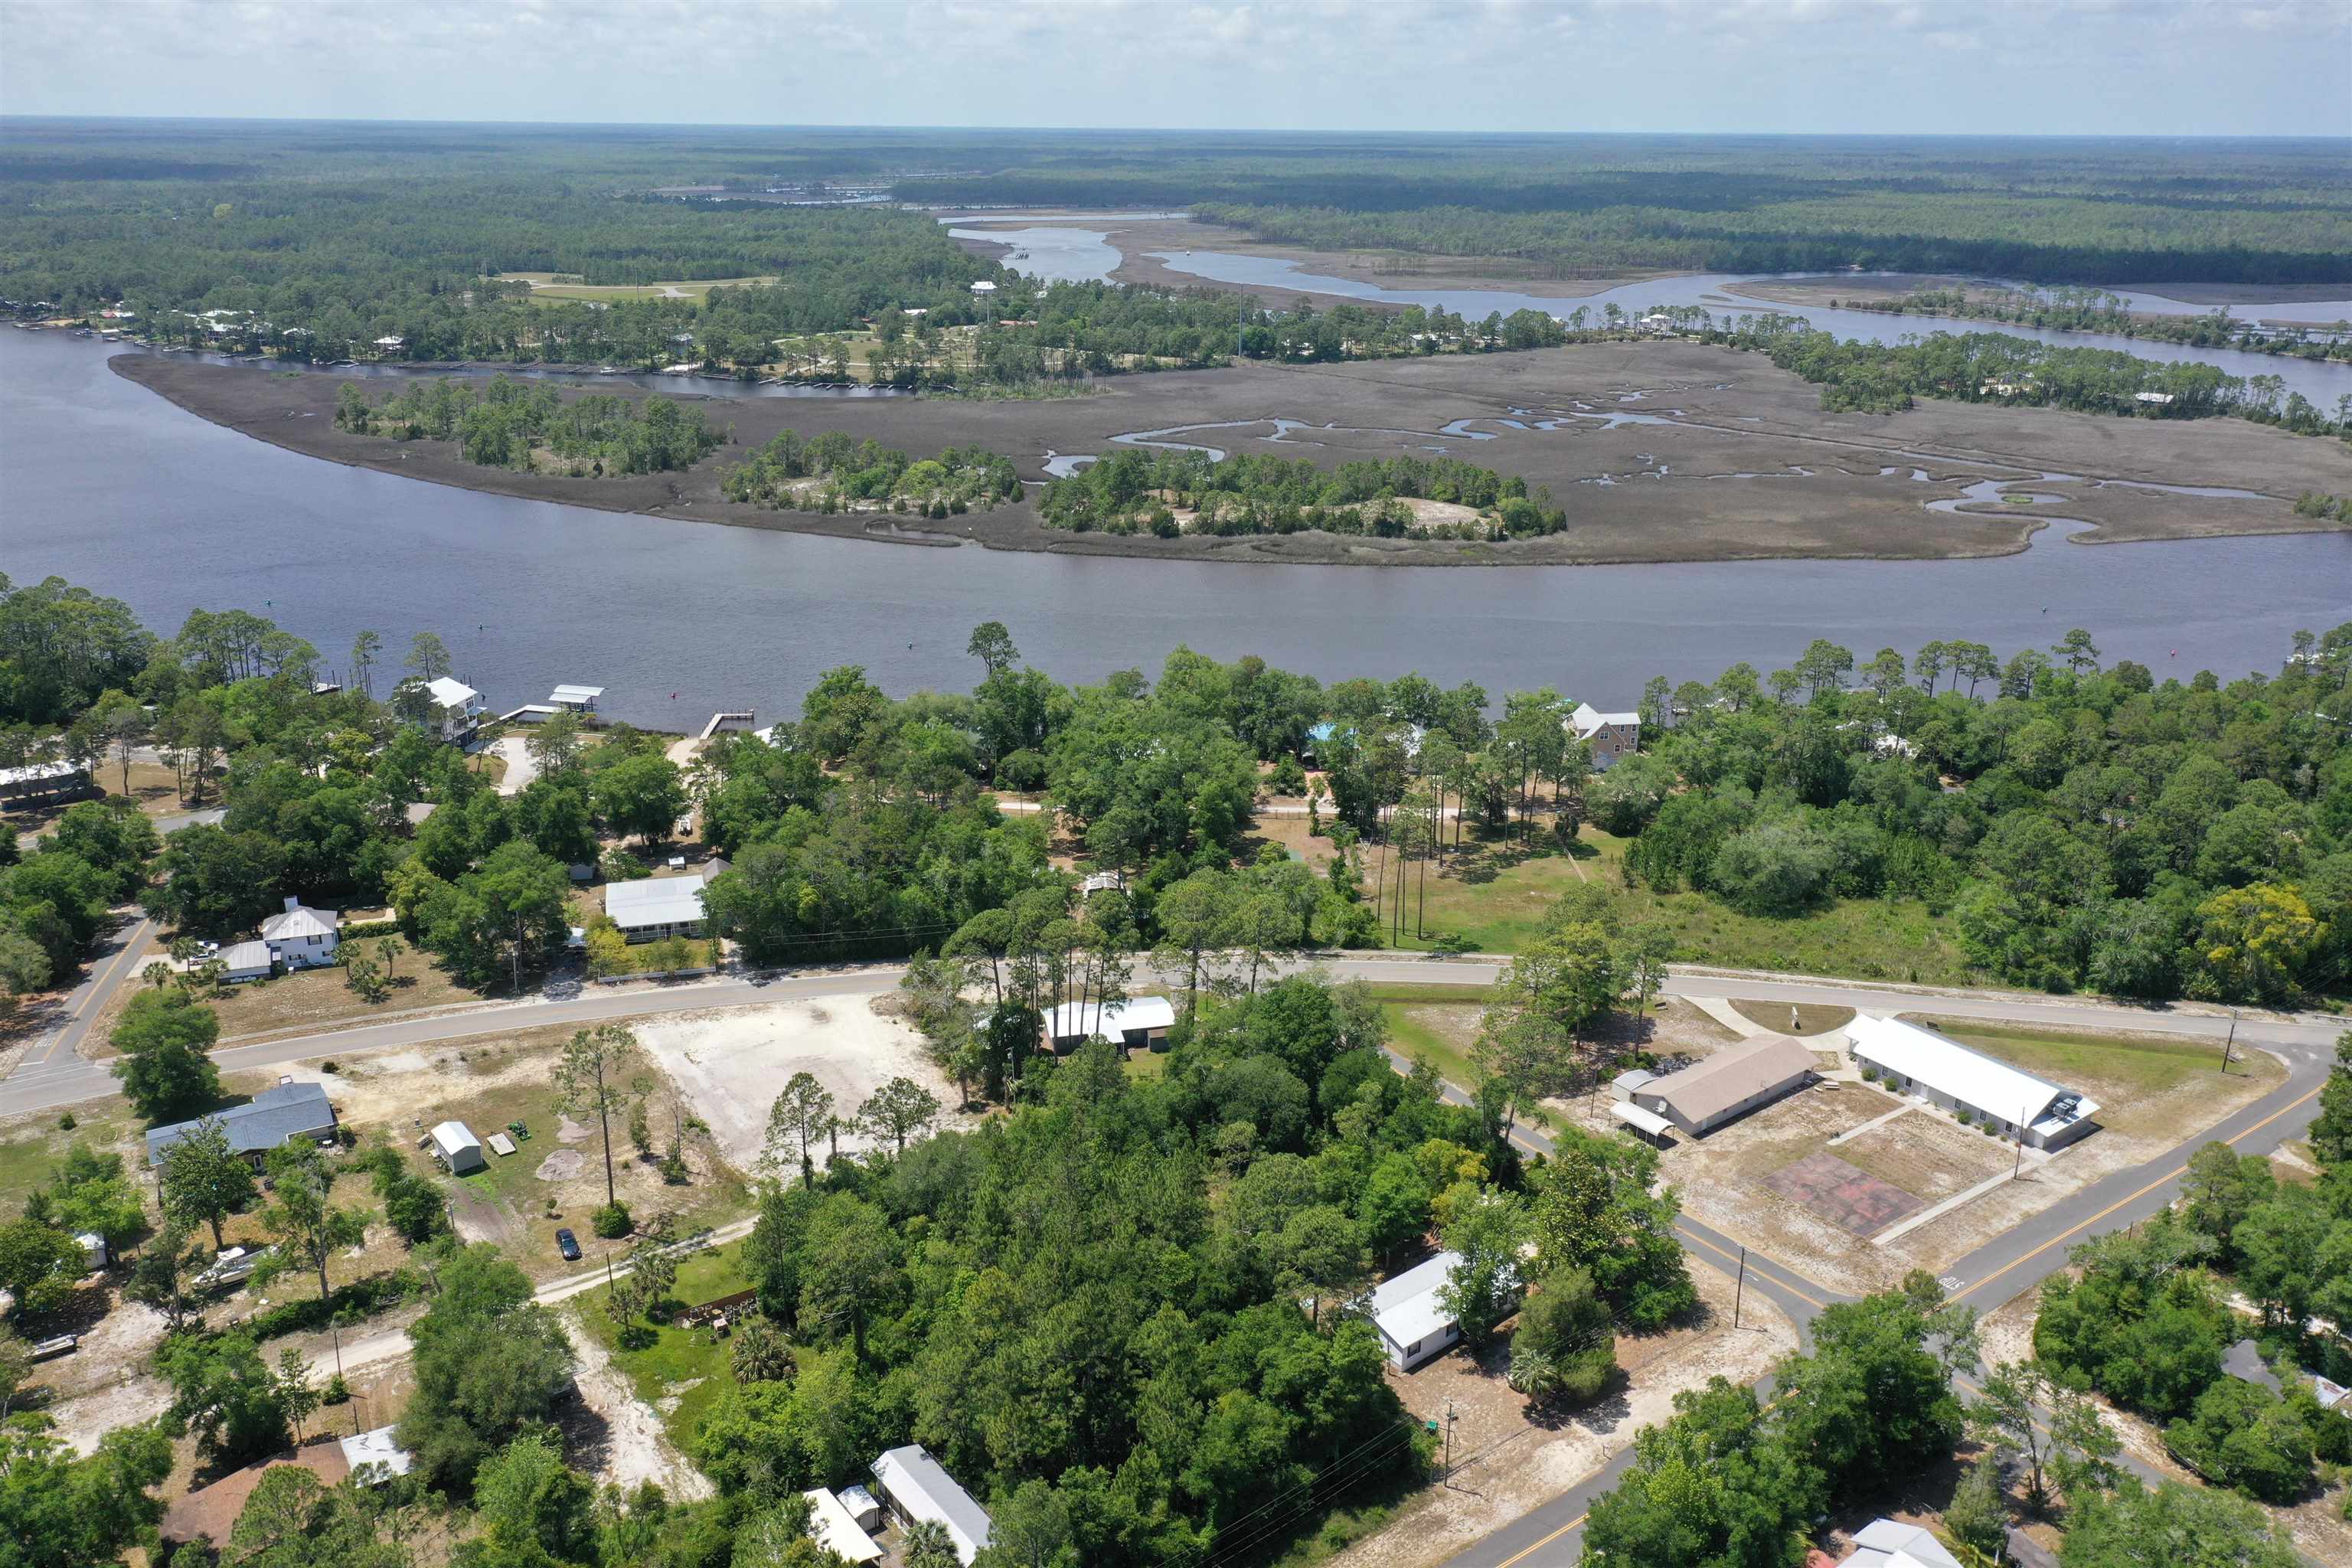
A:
313	998
32	1148
544	287
1441	1030
1496	893
1811	1017
2139	1064
678	1356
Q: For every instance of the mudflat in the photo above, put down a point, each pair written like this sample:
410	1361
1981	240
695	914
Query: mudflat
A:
1657	451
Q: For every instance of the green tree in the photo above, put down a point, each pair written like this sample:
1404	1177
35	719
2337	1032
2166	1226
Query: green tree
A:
2173	1526
1483	1288
307	1228
60	1511
801	1113
39	1265
163	1039
159	1275
1870	1405
533	1507
1975	1517
1564	1351
225	1394
292	1520
899	1108
488	1362
993	646
596	1077
641	794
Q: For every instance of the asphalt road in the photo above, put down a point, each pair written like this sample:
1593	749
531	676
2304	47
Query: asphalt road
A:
53	1075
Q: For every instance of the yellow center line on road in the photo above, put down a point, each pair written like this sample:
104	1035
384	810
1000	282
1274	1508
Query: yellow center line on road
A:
2174	1174
1547	1540
1800	1295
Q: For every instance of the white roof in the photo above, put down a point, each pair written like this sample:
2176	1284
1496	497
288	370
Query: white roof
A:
1587	721
1971	1077
1885	1544
244	956
922	1490
450	694
377	1448
836	1530
1407	1306
658	902
576	694
39	773
1094	1018
301	920
388	342
1632	1115
451	1136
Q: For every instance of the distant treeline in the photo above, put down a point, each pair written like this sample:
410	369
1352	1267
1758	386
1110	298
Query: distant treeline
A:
2069	310
1133	491
505	424
1994	368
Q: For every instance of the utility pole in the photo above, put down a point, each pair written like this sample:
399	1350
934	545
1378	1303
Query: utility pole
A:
2019	1168
2229	1040
1739	1291
1450	1419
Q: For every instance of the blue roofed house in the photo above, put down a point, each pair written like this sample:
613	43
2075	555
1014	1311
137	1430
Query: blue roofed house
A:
275	1116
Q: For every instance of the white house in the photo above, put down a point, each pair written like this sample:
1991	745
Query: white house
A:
1942	1071
246	961
300	937
1412	1320
656	908
916	1487
1610	735
389	344
455	1145
1888	1544
1139	1023
457	708
376	1449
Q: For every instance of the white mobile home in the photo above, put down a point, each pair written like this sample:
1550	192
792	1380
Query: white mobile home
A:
915	1486
1139	1023
836	1529
1942	1071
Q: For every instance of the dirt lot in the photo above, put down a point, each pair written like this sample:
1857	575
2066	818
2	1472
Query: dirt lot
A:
1505	1463
616	1437
1746	465
731	1063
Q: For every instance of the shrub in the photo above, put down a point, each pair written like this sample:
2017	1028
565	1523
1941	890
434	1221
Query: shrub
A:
66	1123
609	1221
337	1392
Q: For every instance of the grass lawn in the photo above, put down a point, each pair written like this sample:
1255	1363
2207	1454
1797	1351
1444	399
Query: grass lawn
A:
29	1150
678	1355
312	997
1497	895
1812	1017
2139	1066
1440	1031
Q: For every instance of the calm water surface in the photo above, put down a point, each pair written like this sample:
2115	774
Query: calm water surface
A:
110	486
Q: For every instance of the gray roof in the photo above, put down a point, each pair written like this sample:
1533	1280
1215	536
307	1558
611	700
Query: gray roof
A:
2244	1361
268	1119
920	1487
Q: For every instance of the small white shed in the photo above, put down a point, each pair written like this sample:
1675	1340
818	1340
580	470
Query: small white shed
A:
455	1145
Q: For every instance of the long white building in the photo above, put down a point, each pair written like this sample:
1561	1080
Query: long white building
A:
1942	1071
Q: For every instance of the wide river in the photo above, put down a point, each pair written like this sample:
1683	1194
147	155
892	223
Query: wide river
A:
109	485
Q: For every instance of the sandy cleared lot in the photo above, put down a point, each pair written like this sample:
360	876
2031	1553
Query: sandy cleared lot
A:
1505	1464
614	1435
731	1063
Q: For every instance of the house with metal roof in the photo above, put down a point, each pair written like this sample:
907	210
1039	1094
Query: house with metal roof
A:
1890	1543
1140	1023
915	1486
657	907
300	937
275	1116
1608	736
1413	1321
1942	1071
457	707
1730	1084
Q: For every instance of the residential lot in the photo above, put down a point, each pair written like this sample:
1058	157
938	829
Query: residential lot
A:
731	1063
1508	1459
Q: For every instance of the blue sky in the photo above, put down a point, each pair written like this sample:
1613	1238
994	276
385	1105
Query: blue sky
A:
1942	67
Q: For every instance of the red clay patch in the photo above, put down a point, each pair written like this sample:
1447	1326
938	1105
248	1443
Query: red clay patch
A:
1851	1199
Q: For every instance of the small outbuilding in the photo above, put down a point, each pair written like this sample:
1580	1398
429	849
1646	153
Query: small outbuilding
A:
916	1487
1890	1543
244	961
455	1145
1139	1023
1730	1084
579	699
836	1529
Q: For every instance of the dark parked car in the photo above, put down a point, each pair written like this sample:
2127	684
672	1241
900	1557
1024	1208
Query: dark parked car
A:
569	1245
